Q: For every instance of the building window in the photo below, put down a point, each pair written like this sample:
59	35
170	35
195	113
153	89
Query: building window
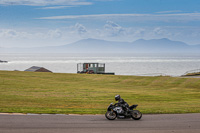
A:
101	65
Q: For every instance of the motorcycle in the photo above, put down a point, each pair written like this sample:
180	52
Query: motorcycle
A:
116	111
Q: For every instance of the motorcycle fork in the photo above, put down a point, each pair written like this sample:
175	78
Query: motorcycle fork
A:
112	111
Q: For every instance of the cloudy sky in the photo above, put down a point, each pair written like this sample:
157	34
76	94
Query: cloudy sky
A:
32	23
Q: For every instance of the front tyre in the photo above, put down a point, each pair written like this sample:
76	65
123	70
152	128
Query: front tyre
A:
110	115
136	115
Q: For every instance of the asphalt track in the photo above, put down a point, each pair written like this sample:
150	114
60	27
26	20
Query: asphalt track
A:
173	123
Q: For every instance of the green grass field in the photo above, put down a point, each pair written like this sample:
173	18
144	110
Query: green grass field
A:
34	92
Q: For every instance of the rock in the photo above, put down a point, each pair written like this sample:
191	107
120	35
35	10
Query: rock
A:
1	61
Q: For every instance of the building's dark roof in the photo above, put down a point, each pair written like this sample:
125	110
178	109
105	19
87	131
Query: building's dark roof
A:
37	69
33	68
91	63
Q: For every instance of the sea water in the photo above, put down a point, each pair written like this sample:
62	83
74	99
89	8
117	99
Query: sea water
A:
121	64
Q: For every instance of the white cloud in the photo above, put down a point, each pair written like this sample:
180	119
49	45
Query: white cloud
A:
81	30
158	31
44	2
174	11
113	29
94	16
8	33
12	37
166	17
110	31
57	7
139	33
106	0
13	34
54	34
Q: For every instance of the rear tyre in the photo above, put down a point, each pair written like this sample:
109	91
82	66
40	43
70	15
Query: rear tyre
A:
110	115
136	115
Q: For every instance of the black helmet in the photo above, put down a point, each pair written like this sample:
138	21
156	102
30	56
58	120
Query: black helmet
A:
117	97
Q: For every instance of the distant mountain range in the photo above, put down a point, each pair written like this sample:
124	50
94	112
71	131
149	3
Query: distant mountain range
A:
101	46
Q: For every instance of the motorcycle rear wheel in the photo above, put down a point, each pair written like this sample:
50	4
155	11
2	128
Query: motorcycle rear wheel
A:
110	115
136	115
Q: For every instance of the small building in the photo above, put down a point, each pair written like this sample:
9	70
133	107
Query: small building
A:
37	69
92	68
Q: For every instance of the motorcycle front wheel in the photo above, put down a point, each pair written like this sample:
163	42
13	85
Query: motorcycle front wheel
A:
110	115
136	115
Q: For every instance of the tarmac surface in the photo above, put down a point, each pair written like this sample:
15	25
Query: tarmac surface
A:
165	123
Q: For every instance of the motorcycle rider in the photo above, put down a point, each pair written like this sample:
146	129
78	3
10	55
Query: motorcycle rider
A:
122	103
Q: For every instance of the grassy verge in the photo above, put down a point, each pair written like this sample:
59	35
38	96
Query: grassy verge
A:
193	74
29	92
